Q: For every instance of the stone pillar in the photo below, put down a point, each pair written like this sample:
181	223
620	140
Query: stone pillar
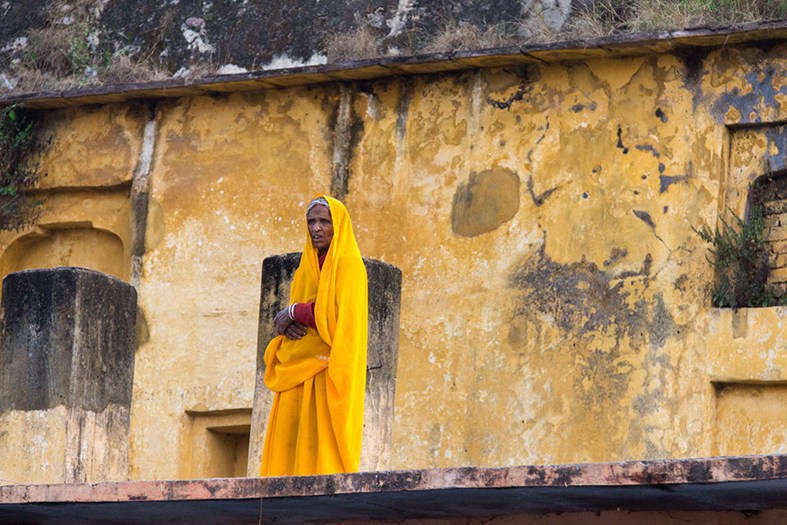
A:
66	372
385	286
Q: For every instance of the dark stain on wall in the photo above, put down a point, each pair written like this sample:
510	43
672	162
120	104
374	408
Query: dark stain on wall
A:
487	201
403	109
584	302
347	134
650	148
539	199
644	217
581	298
619	143
777	148
693	59
665	181
749	105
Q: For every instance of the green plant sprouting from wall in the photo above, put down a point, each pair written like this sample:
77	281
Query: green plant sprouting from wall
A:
739	256
18	171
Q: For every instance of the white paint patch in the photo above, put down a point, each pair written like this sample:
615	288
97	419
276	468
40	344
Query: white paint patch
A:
16	44
231	69
7	83
182	72
399	20
196	39
373	107
771	368
285	61
148	142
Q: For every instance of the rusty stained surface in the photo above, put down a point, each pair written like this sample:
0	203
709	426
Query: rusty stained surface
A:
750	484
575	333
573	326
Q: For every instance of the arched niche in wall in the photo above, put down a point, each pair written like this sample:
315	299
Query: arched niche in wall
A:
66	244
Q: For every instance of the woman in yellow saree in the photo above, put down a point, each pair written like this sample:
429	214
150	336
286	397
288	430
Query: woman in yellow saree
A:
317	364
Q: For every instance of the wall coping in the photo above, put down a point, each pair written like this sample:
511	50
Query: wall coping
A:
634	44
746	483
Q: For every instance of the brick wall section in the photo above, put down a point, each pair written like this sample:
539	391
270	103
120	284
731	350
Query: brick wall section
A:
775	203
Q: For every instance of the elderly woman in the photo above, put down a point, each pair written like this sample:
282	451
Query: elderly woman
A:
317	364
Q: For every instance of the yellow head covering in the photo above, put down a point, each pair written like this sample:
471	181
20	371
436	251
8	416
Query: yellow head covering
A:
339	291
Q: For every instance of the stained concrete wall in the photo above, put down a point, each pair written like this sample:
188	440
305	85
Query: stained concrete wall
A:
555	303
66	374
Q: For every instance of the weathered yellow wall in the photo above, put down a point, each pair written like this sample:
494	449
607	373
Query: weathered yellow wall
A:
554	302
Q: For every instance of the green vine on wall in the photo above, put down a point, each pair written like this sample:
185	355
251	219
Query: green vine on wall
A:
18	170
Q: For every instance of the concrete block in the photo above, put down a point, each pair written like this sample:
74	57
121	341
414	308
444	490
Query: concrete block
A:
385	285
66	375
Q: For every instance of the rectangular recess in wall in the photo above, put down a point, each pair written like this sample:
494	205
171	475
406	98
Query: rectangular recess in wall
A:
751	418
216	444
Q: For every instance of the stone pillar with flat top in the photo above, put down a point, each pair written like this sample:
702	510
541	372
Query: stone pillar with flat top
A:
385	286
66	373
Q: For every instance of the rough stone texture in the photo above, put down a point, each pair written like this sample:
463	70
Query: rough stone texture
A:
256	33
385	284
701	491
67	361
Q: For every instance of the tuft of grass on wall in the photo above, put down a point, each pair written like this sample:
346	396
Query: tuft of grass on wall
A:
461	37
358	44
739	256
679	14
70	51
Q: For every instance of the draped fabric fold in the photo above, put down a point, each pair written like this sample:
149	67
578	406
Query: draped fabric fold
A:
316	421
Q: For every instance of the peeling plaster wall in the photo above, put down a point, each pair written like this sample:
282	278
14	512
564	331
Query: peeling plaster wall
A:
554	297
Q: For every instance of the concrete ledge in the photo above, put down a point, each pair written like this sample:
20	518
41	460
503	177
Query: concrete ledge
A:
750	483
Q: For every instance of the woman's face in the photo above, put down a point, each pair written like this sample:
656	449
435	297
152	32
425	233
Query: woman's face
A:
320	228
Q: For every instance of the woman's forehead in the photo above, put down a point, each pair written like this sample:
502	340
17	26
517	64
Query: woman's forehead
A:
318	210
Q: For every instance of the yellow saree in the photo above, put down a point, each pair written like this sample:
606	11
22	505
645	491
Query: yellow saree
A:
316	420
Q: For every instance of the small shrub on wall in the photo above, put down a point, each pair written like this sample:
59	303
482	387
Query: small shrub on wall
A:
18	171
739	253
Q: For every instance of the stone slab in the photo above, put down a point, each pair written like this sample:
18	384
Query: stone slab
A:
68	339
66	375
